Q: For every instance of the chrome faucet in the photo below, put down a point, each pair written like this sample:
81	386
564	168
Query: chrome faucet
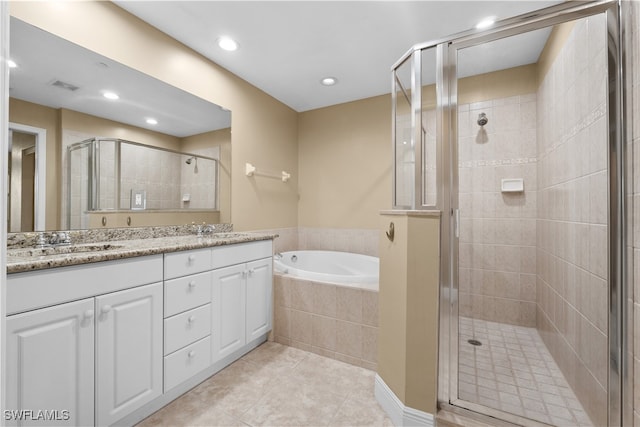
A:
202	229
57	238
277	255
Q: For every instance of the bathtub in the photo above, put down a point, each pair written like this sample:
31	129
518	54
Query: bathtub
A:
340	268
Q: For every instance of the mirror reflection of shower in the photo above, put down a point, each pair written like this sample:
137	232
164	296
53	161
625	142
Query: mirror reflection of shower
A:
482	137
195	160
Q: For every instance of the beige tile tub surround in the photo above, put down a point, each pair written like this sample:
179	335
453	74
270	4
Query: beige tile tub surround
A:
277	385
330	320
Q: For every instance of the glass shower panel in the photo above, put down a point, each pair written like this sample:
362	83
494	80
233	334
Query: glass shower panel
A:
79	184
403	149
429	126
532	194
107	150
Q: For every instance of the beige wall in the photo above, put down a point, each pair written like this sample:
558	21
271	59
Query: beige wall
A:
408	308
345	164
264	130
47	118
150	218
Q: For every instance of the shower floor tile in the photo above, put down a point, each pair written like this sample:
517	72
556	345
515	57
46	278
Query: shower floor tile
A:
513	371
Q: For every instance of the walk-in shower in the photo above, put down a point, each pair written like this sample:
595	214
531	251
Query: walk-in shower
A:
532	202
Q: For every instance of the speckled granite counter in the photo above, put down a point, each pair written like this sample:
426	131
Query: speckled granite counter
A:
22	257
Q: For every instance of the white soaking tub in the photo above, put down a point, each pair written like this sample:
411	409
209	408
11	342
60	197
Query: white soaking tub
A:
340	268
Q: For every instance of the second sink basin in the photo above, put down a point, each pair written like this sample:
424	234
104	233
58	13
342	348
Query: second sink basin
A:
61	250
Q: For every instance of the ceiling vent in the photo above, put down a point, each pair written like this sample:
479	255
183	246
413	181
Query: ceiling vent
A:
65	86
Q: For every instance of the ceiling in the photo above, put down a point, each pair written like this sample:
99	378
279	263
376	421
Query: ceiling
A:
287	47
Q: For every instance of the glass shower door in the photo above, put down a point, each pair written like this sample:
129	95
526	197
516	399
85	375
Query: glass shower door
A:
532	186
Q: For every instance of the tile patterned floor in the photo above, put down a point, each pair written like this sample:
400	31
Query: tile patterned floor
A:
277	385
513	371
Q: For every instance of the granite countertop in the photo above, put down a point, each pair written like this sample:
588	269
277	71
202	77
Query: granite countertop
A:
20	259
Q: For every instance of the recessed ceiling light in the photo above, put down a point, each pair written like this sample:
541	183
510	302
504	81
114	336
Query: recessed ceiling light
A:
227	43
110	95
152	121
486	22
329	81
12	64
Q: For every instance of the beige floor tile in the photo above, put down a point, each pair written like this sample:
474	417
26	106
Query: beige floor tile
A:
329	374
290	403
355	412
277	385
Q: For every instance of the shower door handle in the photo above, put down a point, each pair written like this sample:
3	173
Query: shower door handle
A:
456	220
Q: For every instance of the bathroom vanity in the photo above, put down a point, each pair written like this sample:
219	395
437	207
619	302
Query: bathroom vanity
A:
110	335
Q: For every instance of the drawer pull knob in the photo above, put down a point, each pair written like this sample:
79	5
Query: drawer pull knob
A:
192	319
192	354
250	272
192	284
106	309
88	314
192	258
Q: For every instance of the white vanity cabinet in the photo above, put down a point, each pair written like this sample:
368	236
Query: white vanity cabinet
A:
229	292
128	351
50	356
111	342
106	348
258	298
242	295
187	312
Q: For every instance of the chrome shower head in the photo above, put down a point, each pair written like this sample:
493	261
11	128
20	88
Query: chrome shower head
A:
482	119
188	161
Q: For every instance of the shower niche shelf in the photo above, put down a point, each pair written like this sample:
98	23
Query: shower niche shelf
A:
512	185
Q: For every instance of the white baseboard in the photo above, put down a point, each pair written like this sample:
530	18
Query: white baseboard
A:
400	414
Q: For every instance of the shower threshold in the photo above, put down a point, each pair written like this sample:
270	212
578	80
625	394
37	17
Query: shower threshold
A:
509	368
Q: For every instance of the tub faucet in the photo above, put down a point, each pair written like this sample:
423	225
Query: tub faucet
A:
277	255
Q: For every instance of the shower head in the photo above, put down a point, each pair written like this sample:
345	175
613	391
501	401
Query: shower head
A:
189	160
482	119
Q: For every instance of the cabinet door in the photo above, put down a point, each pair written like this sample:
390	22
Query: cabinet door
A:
50	367
128	351
259	285
228	295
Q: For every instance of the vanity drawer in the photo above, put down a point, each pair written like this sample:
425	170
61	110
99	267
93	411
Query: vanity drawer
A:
183	329
178	264
186	293
183	364
224	256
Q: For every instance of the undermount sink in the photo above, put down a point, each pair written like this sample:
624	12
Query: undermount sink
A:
61	250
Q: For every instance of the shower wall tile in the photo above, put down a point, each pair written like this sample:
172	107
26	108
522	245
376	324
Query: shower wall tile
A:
572	184
498	230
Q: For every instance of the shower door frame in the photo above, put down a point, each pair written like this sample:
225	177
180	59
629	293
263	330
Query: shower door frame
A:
619	377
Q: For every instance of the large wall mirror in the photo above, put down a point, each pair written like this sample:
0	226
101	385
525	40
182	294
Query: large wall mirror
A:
78	159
